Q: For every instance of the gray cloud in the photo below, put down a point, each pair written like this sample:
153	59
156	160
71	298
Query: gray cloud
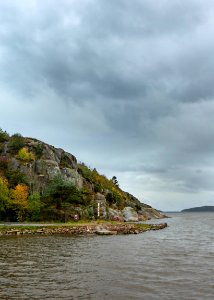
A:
125	86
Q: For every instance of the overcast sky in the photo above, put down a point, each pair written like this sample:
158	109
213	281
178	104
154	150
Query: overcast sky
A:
127	86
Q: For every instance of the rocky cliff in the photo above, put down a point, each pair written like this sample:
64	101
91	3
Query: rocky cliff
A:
66	189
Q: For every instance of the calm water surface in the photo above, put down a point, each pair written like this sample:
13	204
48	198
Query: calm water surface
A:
174	263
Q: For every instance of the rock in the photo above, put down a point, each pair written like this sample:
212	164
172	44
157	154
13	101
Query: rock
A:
47	167
115	215
73	176
14	164
154	214
69	160
130	215
103	231
143	215
106	232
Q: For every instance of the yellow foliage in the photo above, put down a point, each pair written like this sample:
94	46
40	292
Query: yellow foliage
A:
19	196
3	182
25	155
4	193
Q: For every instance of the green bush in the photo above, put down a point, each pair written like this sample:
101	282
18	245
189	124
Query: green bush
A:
85	172
16	142
34	207
38	150
3	163
109	198
4	136
60	192
15	177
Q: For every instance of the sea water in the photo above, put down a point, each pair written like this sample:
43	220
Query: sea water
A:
174	263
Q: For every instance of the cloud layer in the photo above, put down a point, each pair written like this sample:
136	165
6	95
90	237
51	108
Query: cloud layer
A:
126	86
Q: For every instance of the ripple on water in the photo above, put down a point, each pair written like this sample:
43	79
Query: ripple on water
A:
175	263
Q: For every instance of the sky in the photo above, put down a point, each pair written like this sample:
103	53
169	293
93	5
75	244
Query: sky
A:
126	86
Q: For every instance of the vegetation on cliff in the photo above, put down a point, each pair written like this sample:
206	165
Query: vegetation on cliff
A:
39	182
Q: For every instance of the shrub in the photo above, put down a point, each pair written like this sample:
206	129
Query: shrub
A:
3	163
4	194
25	155
97	188
16	142
34	207
15	177
110	198
60	192
85	172
38	150
4	136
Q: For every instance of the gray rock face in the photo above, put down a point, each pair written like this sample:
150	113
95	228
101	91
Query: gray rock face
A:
143	215
73	176
47	167
68	160
154	214
52	162
130	215
115	214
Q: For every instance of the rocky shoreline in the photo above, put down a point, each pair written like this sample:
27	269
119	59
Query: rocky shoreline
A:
100	229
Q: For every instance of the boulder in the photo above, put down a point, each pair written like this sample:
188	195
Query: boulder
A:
115	215
130	215
154	214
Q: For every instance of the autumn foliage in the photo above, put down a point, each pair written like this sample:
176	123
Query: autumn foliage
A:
19	195
25	155
19	199
4	194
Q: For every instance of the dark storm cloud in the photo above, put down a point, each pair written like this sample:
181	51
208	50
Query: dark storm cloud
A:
132	80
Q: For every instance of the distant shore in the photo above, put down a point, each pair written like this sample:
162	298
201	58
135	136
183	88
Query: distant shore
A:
106	228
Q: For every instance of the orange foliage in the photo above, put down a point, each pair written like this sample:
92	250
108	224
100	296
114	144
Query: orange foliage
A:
19	195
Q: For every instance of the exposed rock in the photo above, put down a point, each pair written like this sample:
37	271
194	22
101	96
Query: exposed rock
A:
130	215
47	167
105	229
143	215
73	176
14	163
115	215
69	160
154	214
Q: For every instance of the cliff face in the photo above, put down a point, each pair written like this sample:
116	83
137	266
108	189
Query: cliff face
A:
41	164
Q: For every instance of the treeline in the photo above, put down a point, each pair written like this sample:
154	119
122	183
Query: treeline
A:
59	202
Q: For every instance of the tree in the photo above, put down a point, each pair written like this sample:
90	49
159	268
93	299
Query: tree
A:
34	206
4	195
114	180
16	142
15	177
60	191
4	136
19	199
